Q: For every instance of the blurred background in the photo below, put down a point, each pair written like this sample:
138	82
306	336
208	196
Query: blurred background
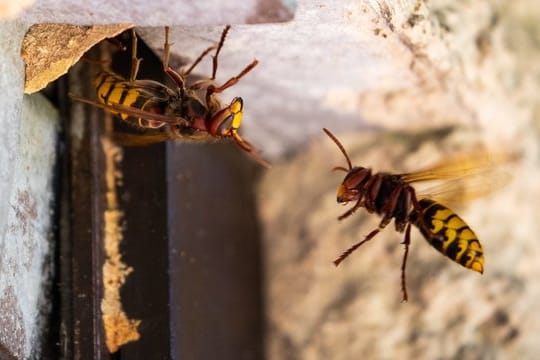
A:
403	85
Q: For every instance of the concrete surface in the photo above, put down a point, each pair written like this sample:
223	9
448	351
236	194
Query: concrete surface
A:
28	128
10	10
158	13
362	65
329	48
350	64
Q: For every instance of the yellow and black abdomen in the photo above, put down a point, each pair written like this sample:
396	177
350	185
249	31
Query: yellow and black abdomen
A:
449	234
114	90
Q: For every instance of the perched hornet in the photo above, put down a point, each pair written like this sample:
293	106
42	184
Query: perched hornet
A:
163	113
392	197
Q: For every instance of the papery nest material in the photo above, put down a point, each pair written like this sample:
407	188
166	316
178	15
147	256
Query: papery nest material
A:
49	50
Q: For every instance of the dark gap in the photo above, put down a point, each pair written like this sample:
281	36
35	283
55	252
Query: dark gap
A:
143	200
56	93
169	194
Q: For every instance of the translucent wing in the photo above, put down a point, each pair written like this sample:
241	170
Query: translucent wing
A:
154	88
462	190
460	166
134	112
463	178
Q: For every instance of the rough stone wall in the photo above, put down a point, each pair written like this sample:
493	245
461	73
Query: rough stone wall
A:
28	131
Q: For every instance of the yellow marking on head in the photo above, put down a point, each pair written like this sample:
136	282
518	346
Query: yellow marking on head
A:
341	191
236	110
236	105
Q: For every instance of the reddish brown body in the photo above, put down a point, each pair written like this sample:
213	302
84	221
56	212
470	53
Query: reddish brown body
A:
392	197
184	111
385	194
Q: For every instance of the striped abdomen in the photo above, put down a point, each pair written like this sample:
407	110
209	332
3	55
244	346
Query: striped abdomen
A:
449	234
113	90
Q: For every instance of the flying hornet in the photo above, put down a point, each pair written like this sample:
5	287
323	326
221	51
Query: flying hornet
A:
393	197
161	113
